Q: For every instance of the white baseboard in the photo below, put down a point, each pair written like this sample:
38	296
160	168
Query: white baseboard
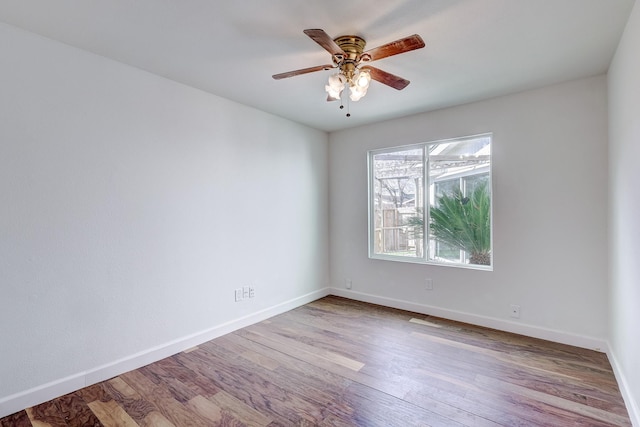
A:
51	390
625	390
489	322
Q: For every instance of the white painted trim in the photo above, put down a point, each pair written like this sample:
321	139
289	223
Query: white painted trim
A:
488	322
42	393
625	390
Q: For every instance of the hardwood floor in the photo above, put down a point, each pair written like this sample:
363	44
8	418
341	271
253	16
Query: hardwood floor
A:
337	362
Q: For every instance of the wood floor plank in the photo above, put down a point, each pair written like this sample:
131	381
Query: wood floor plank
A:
373	407
320	385
526	411
558	387
313	350
156	419
46	414
338	362
111	414
163	400
93	393
265	390
452	410
320	382
132	402
172	367
206	408
241	411
537	370
75	411
122	388
19	419
552	400
178	390
301	351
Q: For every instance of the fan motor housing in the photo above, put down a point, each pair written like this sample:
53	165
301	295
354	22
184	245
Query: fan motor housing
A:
353	46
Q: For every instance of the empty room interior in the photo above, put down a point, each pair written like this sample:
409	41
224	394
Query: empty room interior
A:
252	211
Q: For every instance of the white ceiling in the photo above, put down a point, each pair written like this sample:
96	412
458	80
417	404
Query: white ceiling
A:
476	49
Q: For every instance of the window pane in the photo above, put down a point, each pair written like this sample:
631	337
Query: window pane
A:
431	202
398	190
440	250
460	201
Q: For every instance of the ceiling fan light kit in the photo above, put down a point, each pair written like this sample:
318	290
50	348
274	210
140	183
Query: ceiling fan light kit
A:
348	57
358	85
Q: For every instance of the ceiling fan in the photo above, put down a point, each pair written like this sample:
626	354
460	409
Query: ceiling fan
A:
348	57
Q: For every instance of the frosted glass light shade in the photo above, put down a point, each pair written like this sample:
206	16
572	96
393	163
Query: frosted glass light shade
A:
335	87
363	79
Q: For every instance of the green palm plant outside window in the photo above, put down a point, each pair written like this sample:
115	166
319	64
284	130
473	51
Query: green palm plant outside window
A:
462	222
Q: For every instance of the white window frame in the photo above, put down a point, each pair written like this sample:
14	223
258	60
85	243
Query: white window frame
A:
426	197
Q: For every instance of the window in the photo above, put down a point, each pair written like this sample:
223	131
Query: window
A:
431	202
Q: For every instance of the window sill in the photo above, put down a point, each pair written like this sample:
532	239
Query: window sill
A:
422	261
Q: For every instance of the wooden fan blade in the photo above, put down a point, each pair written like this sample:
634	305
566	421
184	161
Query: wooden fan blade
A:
302	71
386	78
394	48
323	39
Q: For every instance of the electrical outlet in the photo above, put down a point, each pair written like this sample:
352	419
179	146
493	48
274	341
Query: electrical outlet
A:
428	284
245	292
238	294
515	311
347	283
252	292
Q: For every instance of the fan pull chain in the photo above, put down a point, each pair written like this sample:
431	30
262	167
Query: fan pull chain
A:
348	108
342	105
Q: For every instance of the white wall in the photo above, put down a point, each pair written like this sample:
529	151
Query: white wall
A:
132	206
550	215
624	201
